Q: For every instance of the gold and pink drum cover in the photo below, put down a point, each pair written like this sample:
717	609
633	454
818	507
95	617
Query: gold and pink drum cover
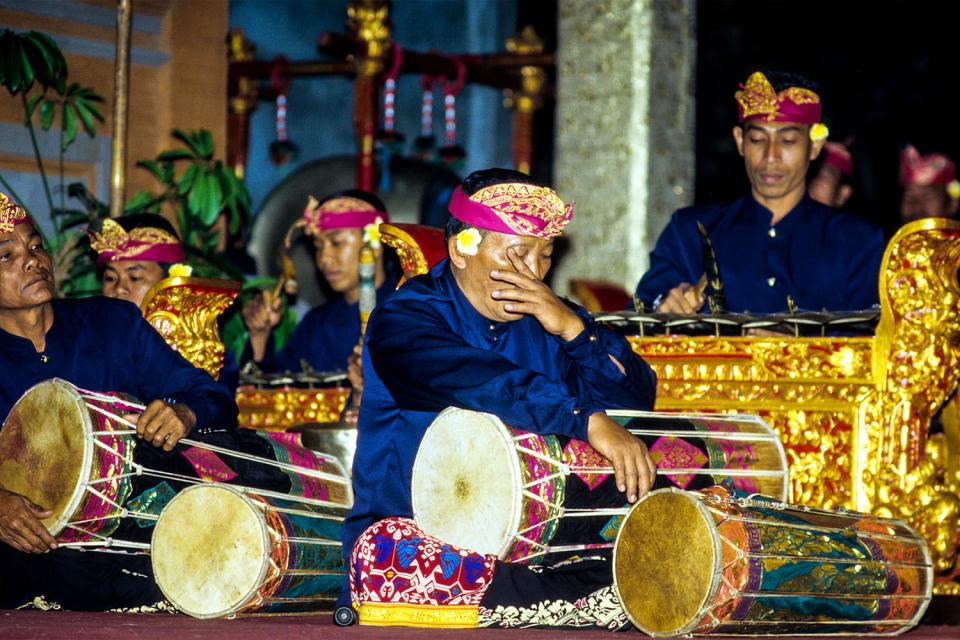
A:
482	485
709	562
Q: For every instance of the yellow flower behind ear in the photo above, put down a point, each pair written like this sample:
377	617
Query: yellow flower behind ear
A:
371	233
953	190
819	132
467	241
180	270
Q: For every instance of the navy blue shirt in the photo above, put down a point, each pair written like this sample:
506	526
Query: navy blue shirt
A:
826	259
325	337
102	344
427	348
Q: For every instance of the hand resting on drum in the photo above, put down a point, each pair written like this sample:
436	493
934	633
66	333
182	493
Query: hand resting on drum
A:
20	525
162	424
527	294
633	467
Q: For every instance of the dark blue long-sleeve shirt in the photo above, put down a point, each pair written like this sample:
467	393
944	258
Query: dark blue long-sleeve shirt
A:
427	348
102	344
822	257
324	338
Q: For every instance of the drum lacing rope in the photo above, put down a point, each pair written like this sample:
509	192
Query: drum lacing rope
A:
166	475
304	471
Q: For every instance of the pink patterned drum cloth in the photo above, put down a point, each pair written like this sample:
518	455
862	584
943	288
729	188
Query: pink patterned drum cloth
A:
482	485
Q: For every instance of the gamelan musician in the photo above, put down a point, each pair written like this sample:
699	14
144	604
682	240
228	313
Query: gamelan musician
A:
482	331
94	343
776	242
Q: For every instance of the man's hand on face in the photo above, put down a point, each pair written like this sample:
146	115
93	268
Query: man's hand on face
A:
526	294
20	525
162	424
685	298
633	467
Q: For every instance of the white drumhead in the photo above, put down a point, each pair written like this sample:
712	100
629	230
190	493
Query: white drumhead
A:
210	550
466	485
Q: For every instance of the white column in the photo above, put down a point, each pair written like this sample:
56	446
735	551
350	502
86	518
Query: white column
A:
625	130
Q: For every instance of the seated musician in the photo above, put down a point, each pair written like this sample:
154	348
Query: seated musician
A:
326	336
776	242
930	186
136	252
482	331
97	344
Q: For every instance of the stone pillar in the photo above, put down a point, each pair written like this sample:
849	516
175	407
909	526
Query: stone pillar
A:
625	130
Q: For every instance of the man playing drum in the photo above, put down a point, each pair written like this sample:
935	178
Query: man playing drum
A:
95	344
482	331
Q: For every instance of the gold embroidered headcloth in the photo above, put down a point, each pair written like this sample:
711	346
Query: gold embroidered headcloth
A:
513	208
758	100
343	212
114	243
11	214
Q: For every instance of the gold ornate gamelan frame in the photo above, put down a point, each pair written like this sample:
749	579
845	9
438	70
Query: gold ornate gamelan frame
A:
854	414
185	312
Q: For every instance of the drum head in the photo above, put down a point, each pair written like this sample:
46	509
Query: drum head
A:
466	485
210	551
44	449
666	562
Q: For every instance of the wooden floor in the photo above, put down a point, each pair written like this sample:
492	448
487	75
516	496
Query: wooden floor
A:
36	625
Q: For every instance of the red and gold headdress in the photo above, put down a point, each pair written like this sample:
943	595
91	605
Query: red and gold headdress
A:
924	170
758	100
11	214
339	213
513	208
114	243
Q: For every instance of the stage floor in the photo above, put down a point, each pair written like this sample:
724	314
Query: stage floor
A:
37	625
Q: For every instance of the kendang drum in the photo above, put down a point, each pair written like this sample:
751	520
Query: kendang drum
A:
710	563
219	552
73	452
484	486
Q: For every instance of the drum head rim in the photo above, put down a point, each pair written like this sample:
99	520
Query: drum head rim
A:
247	598
516	509
80	488
717	562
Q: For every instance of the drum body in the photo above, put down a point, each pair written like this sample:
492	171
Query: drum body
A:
69	450
219	551
481	485
707	563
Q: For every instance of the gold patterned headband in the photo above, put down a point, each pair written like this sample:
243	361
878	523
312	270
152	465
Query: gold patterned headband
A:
11	214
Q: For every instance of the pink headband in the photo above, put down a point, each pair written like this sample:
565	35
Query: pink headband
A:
513	208
758	100
838	156
340	213
114	244
933	168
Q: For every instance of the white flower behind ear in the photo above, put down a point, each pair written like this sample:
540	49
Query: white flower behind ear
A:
819	132
467	241
953	190
179	270
371	233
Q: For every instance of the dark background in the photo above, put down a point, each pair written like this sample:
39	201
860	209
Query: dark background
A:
888	72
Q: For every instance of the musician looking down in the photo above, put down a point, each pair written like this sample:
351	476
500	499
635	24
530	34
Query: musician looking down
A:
96	344
776	242
482	331
325	338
